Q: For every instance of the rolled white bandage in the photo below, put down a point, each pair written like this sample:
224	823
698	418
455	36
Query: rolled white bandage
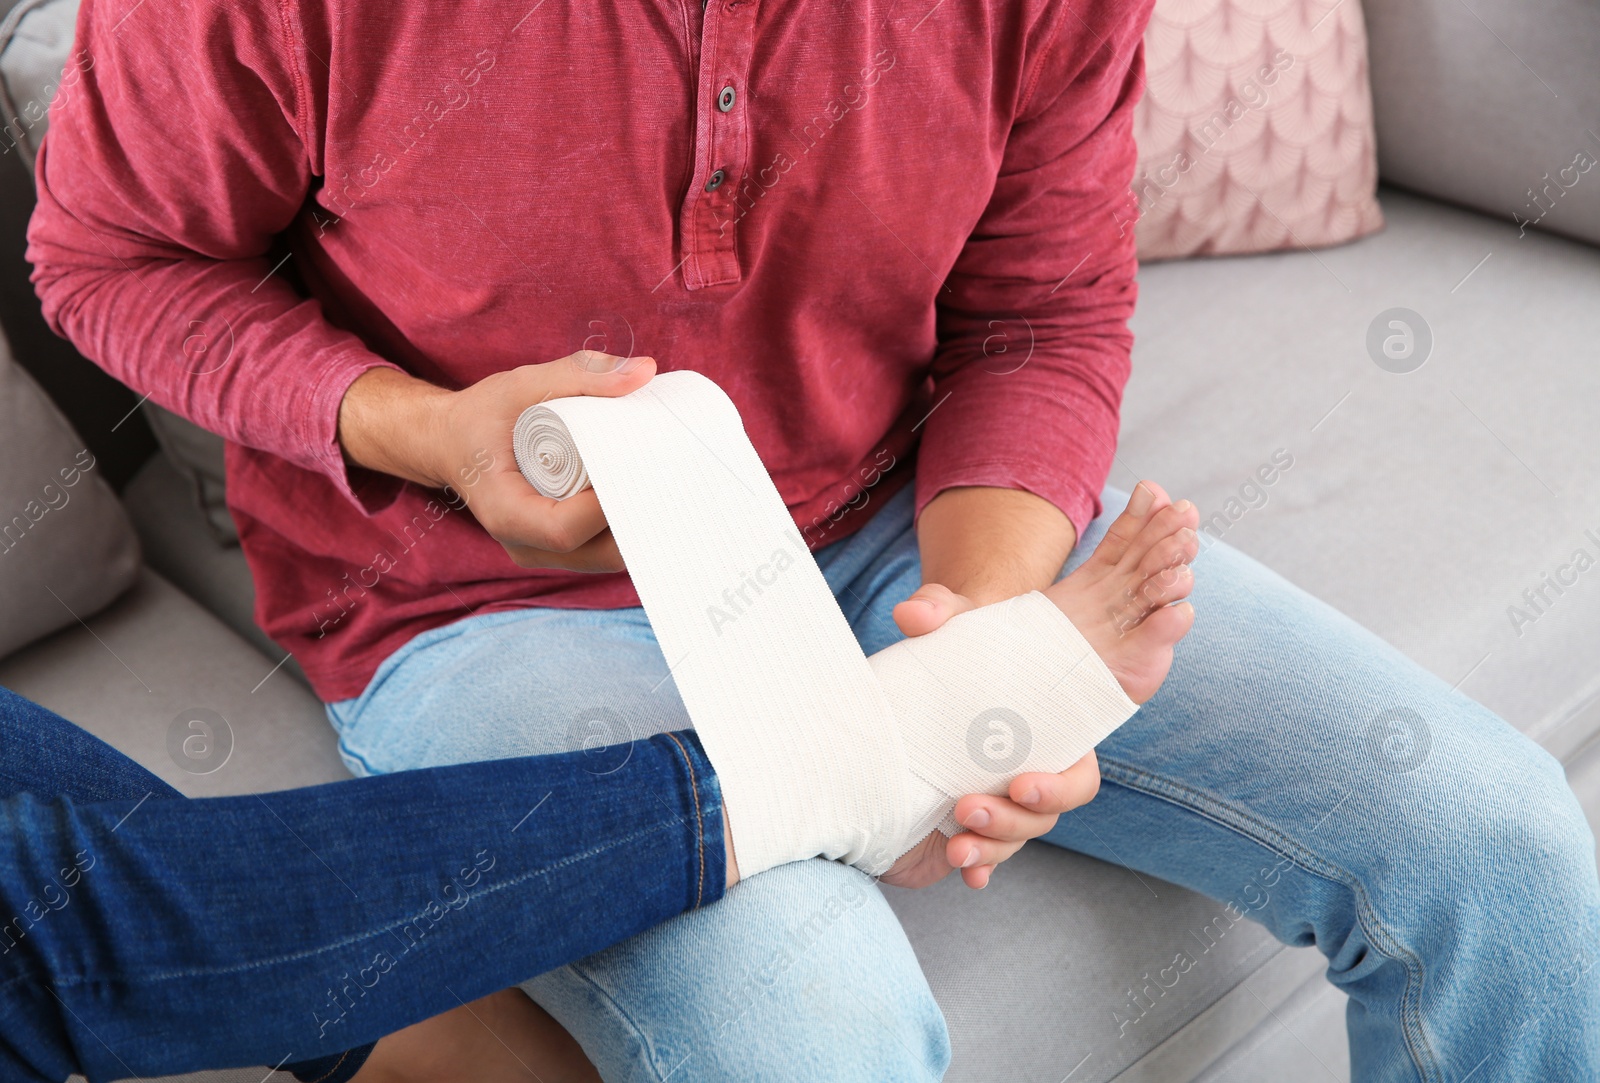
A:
798	728
817	752
546	454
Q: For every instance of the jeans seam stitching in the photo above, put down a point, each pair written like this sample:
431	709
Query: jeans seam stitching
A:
699	822
84	979
346	750
1262	833
329	1073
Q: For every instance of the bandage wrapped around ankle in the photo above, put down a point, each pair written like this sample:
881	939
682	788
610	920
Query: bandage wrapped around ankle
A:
818	752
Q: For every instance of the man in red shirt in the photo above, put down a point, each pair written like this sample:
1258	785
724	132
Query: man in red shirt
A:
340	234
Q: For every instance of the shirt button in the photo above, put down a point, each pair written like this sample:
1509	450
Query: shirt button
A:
716	181
725	99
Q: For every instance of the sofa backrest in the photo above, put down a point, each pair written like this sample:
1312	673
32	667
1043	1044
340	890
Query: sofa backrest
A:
66	547
1492	104
35	40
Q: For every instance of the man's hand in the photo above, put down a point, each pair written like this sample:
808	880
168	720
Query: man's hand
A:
996	827
397	424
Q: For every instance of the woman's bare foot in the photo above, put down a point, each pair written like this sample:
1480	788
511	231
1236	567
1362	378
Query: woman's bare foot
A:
1120	599
1126	600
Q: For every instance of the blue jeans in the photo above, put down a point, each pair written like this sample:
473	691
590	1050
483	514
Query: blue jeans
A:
143	934
1436	856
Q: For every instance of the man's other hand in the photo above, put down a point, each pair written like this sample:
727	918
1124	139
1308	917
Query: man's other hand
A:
996	827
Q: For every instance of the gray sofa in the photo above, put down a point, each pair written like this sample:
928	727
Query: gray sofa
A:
1423	504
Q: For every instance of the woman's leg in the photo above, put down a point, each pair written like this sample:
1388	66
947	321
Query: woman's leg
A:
43	753
146	936
803	965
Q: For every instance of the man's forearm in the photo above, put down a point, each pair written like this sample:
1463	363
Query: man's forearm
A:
387	423
990	544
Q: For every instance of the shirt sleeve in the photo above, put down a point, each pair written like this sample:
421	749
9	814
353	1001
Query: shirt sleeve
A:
1034	345
171	168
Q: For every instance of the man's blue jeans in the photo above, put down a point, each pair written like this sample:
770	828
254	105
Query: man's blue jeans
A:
143	934
1436	857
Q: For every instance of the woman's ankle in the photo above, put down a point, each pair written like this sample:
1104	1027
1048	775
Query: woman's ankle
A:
727	843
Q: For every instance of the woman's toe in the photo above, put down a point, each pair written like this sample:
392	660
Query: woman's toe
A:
1169	585
1161	525
1178	548
1164	627
1147	499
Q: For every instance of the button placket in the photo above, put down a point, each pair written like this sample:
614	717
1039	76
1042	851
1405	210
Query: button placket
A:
709	216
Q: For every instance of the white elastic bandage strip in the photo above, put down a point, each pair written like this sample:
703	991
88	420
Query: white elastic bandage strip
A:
997	691
799	730
817	751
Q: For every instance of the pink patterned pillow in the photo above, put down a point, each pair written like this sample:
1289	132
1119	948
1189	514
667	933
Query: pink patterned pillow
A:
1255	131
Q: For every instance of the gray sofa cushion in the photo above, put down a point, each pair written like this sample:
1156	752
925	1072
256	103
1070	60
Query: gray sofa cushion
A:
1478	102
139	673
197	456
1422	504
66	549
37	67
35	40
179	543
